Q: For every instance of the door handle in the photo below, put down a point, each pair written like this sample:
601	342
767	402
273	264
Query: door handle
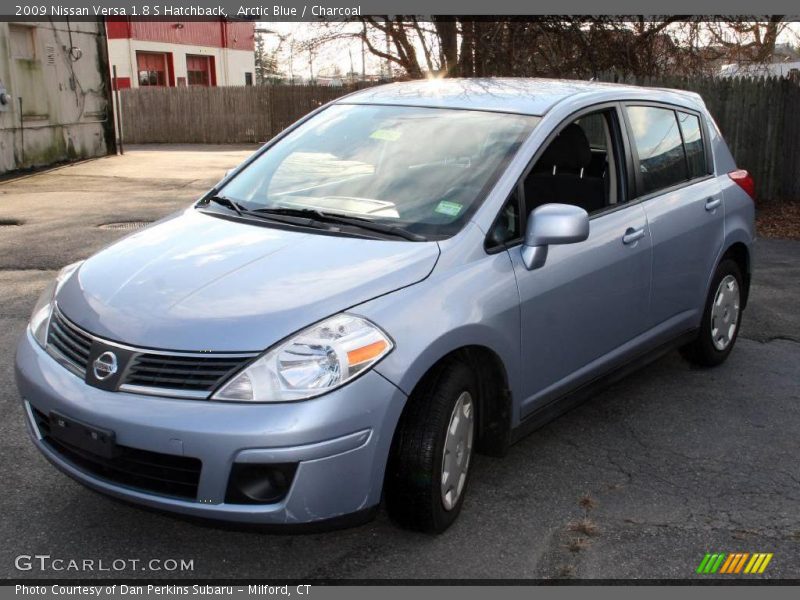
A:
713	203
632	235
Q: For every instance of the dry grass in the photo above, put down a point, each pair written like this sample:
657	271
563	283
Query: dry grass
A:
584	526
778	220
578	544
565	572
587	502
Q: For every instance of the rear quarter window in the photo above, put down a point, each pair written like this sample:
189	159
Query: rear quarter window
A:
658	142
693	141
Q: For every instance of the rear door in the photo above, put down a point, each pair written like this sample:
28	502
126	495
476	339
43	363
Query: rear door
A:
683	203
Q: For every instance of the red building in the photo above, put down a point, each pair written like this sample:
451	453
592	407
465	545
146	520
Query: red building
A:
180	53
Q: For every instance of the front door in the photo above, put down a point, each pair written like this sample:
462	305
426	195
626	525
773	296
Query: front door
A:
589	299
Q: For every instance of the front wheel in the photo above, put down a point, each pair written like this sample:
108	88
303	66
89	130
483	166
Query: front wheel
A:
432	450
722	318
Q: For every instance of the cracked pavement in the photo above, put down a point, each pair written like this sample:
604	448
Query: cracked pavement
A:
638	482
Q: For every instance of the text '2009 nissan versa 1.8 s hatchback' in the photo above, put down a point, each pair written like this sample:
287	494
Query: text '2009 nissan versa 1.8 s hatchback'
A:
409	275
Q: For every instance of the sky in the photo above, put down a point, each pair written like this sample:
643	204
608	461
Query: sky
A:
342	54
337	54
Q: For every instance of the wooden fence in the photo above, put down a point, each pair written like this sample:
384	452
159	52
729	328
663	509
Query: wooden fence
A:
760	119
218	115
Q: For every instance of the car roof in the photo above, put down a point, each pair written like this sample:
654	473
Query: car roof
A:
531	96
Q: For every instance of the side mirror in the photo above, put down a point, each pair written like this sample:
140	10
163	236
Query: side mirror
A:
552	224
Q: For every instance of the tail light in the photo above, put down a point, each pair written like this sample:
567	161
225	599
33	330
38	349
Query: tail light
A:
745	181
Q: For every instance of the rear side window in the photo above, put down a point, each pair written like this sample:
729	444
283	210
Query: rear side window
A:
662	162
693	141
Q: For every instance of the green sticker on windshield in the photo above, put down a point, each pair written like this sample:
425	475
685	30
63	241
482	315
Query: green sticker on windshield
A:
388	135
451	209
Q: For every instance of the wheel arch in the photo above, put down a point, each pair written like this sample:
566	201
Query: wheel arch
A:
495	397
739	252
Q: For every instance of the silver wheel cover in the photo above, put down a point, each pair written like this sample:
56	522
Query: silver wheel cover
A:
725	313
457	450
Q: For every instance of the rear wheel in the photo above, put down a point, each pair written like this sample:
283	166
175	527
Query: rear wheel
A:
722	318
432	451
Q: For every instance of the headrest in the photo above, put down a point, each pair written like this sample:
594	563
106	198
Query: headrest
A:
569	150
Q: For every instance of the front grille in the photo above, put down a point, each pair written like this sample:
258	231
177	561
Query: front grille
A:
72	343
177	374
162	474
192	373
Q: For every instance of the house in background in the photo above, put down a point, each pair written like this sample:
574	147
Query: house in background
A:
181	53
54	93
784	62
786	69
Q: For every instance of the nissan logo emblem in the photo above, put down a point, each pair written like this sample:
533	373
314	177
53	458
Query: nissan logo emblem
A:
105	365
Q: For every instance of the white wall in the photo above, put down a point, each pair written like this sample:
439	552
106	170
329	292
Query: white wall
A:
63	99
780	69
238	63
231	65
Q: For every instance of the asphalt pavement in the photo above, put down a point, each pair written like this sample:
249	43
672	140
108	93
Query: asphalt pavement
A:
639	482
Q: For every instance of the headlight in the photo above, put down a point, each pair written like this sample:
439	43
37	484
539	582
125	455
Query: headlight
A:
40	318
313	362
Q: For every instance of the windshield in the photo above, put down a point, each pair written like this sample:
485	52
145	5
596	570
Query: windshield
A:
424	170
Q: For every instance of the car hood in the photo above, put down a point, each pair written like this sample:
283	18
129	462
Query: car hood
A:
196	282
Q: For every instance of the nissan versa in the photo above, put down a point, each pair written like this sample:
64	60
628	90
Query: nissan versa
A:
409	275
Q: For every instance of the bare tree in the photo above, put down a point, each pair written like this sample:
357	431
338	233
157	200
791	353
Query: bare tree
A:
566	46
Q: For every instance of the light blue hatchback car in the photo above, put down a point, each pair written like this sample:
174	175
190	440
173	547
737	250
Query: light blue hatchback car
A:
410	274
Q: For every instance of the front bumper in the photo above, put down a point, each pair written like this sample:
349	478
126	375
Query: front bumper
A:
340	441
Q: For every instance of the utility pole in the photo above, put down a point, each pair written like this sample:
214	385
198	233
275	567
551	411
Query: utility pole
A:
388	51
351	74
363	62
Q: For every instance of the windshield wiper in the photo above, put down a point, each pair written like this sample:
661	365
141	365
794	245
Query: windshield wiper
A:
227	203
312	217
303	220
359	222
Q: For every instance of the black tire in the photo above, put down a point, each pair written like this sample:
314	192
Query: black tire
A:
701	351
414	472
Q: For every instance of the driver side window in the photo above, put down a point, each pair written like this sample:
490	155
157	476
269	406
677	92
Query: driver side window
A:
579	166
